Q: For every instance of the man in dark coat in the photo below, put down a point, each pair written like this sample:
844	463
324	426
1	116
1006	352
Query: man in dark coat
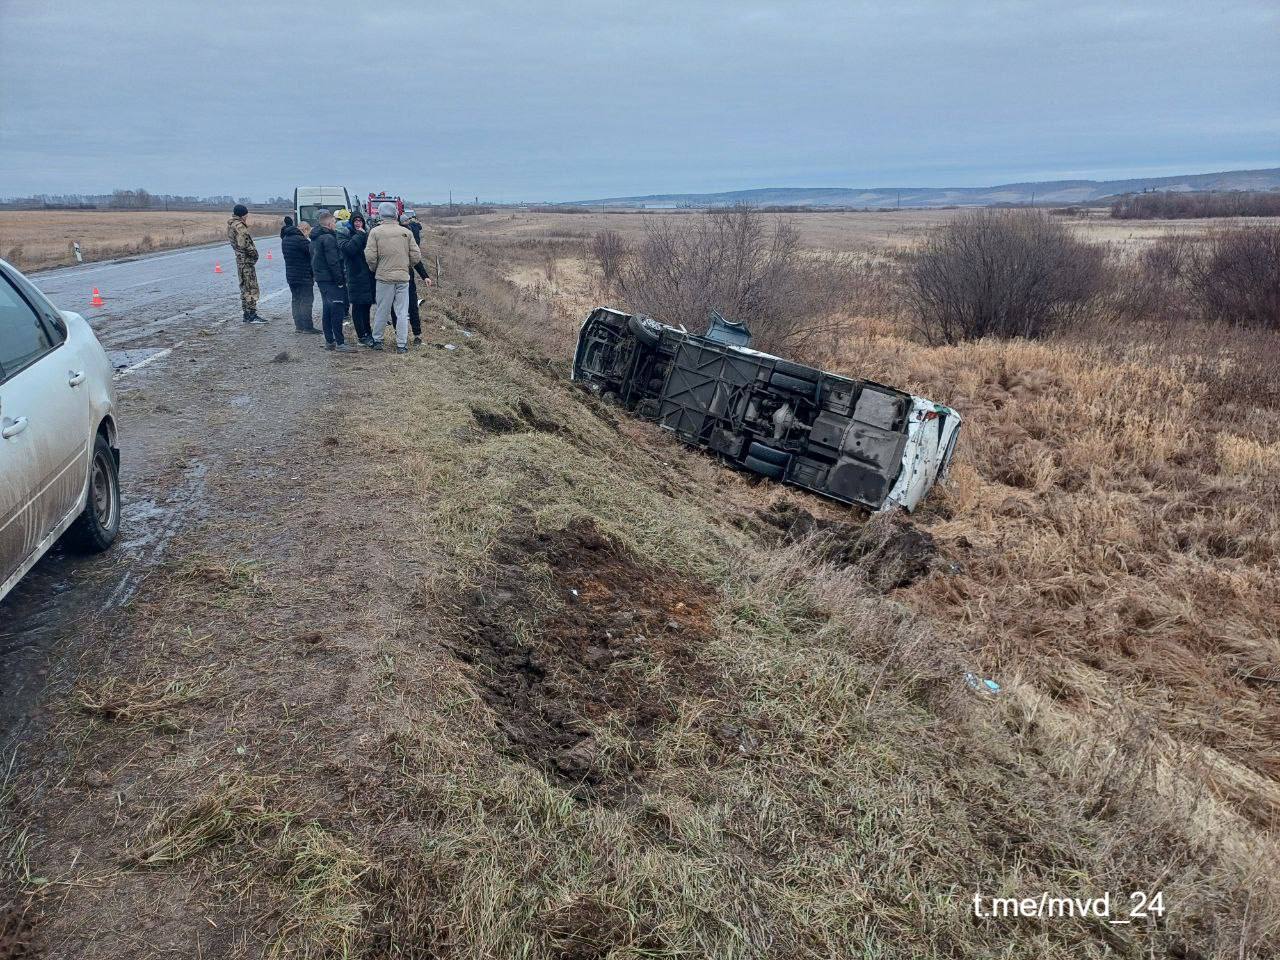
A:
360	285
296	250
331	278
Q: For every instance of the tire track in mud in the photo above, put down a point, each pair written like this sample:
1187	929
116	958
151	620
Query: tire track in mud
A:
150	542
173	435
64	592
581	685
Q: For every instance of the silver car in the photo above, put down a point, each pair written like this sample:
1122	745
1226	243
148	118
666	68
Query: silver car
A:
59	456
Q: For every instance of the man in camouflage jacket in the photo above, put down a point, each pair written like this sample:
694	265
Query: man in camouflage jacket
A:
246	256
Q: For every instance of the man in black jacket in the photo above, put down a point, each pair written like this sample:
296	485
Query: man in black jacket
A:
296	250
331	278
360	283
409	221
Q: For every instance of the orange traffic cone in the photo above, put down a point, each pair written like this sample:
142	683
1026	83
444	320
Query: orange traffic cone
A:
97	300
217	268
268	254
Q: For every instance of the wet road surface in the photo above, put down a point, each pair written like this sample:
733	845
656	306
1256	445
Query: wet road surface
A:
156	302
160	325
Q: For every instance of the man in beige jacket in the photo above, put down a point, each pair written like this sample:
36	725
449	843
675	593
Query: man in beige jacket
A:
391	253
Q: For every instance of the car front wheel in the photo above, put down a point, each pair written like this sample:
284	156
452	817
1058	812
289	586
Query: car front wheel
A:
97	526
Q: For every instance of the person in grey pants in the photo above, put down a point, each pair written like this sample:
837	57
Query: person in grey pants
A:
391	253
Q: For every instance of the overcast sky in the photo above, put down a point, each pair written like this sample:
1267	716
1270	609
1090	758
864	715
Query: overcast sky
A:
562	100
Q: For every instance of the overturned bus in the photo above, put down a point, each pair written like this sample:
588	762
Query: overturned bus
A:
855	441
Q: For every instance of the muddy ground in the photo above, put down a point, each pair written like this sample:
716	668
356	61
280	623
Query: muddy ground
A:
234	431
184	413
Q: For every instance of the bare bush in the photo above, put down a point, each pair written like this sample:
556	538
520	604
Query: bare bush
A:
1168	205
1229	275
735	262
1237	277
609	250
1001	273
1154	285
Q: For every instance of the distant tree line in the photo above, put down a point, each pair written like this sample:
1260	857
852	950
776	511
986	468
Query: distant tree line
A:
137	199
1170	205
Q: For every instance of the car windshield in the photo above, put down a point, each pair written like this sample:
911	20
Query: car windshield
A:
307	212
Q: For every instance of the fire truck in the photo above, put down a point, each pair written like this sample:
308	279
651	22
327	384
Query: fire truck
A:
376	199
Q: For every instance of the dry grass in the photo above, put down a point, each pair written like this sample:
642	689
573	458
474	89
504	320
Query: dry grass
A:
835	232
801	770
1113	525
852	232
37	240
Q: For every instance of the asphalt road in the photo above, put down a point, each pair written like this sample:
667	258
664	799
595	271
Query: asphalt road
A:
155	302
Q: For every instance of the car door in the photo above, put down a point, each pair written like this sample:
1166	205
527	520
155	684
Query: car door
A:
43	433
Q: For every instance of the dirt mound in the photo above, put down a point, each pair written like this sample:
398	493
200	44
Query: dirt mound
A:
580	678
516	419
891	550
16	933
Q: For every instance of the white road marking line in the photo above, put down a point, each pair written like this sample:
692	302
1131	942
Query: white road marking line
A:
144	283
85	269
168	350
185	313
145	360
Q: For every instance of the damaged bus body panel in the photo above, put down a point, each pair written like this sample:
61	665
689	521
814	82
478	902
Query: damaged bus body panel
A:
855	441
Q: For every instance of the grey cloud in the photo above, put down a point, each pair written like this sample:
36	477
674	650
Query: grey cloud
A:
565	100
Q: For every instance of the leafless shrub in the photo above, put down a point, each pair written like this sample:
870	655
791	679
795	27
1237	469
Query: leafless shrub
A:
1001	273
609	250
557	208
1230	275
1153	287
1237	277
734	262
1167	205
455	210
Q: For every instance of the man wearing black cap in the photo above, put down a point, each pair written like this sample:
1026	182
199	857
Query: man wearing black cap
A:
246	257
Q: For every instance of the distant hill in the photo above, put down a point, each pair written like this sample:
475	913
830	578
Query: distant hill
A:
1042	192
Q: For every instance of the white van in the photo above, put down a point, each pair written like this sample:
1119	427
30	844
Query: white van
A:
852	440
307	200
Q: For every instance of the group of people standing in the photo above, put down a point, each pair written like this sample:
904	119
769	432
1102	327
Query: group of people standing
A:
370	269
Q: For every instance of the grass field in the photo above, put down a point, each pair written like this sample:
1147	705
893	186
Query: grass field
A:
571	690
39	239
1112	525
846	232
